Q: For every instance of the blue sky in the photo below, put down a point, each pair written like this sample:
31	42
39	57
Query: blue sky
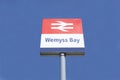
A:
20	26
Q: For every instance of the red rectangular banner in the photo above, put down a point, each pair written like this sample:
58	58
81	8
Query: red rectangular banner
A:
62	26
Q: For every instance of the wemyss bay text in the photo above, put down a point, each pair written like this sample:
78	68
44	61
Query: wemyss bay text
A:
62	40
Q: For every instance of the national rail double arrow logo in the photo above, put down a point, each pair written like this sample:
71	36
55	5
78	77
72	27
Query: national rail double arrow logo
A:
62	26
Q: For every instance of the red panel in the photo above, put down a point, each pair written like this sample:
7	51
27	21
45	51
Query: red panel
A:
62	26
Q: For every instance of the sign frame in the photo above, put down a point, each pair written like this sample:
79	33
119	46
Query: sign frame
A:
52	47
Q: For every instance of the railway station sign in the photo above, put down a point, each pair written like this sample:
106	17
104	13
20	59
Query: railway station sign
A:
62	35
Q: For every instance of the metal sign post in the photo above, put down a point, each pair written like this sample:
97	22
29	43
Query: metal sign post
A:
63	66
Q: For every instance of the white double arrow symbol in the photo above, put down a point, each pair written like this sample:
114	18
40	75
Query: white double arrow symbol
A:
61	26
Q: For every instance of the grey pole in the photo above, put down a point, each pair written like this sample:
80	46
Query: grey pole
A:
63	66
